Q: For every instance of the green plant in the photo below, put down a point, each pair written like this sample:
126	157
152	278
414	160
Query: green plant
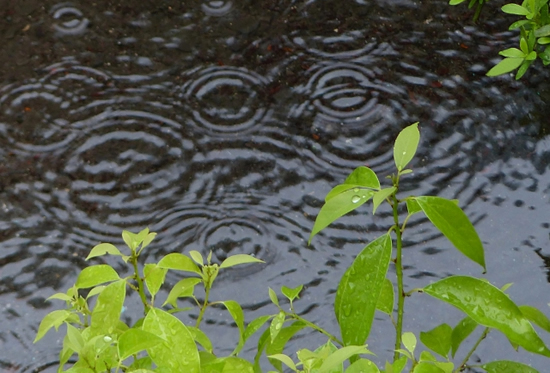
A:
534	37
162	343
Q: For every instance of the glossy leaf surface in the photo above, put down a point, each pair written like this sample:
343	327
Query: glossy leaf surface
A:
380	197
386	298
424	367
290	293
52	320
461	331
359	290
102	249
363	366
455	225
338	206
535	315
277	345
405	146
106	313
154	277
96	275
183	288
340	355
178	352
239	259
505	366
179	262
489	306
133	341
438	339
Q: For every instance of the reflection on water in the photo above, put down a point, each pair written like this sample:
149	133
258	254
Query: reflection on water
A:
221	126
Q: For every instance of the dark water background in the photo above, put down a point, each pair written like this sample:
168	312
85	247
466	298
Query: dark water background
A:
221	125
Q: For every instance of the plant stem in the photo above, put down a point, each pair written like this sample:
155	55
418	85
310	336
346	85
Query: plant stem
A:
462	365
399	273
315	327
139	281
203	307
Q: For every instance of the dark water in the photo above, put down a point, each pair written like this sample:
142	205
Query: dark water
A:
221	125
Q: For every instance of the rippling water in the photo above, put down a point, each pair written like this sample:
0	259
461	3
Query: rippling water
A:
221	125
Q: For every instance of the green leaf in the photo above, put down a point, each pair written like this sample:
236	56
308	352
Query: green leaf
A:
363	177
74	338
254	326
519	24
380	197
154	277
277	345
412	206
273	297
237	314
544	40
409	341
342	354
543	31
178	352
512	52
201	338
95	275
425	367
61	296
183	288
446	366
488	306
405	146
239	259
438	339
536	316
455	225
456	2
505	66
461	331
291	294
359	290
102	249
107	310
386	298
133	341
338	206
515	9
197	257
95	291
363	366
276	325
506	366
179	262
285	360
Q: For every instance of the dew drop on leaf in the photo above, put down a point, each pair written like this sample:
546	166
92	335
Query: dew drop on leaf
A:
355	199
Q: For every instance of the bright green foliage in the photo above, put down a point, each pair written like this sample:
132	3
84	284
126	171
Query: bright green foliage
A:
160	342
359	290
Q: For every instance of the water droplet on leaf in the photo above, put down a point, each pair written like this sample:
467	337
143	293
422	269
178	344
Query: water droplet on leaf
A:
355	199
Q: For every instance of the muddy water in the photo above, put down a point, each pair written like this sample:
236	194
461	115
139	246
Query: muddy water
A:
222	124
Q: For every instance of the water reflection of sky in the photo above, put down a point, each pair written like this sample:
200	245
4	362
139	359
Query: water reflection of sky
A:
222	125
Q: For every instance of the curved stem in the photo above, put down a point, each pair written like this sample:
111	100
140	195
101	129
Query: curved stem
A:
399	273
314	327
462	365
203	307
139	280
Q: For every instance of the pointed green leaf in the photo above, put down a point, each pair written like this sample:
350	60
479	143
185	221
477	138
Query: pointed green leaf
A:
363	177
61	296
102	249
455	225
276	325
197	257
461	331
95	275
179	262
291	294
409	341
342	354
254	326
386	298
201	338
133	341
239	259
237	314
338	206
505	66
412	206
506	366
380	197
147	240
183	288
277	345
359	290
95	291
363	366
536	316
425	367
512	52
106	313
456	2
74	338
438	339
52	320
178	352
405	146
285	360
446	366
542	31
488	306
515	9
273	297
154	277
525	65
